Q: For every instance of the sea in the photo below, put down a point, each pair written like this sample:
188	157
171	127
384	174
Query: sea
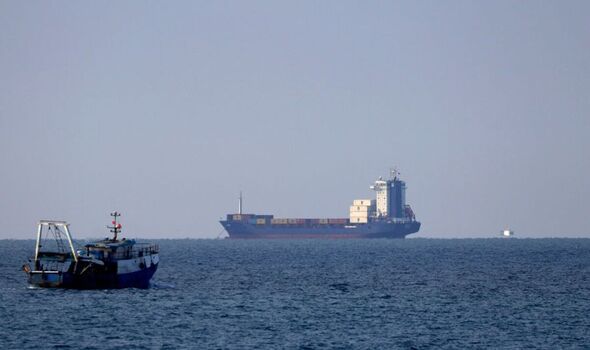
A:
317	294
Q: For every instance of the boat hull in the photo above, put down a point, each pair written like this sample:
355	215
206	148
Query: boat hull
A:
132	273
244	230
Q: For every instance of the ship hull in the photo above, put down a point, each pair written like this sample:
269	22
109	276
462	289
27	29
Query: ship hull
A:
243	230
88	275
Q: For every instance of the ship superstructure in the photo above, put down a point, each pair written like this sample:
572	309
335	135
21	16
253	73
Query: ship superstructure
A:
386	216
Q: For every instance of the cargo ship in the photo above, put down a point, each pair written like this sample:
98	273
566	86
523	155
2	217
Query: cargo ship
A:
109	263
386	216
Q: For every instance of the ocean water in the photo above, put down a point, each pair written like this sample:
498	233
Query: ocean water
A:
313	294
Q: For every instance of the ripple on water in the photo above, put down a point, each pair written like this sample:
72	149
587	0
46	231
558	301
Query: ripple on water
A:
318	294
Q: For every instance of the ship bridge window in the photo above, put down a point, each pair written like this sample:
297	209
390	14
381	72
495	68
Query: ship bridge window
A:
97	254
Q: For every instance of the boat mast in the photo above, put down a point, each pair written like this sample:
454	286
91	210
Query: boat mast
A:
116	228
69	236
38	243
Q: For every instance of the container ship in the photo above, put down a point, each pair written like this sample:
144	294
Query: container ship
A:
386	216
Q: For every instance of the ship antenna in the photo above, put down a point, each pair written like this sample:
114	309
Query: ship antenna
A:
394	173
116	228
240	203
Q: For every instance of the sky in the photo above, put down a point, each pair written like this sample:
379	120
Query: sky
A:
165	111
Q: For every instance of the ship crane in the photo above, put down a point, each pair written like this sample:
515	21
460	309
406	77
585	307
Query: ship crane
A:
240	202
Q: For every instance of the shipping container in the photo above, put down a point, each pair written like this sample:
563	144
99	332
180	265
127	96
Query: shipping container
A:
264	216
358	220
361	208
337	221
366	202
243	217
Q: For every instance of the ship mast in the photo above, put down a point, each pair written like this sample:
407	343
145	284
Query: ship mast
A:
116	228
240	203
393	173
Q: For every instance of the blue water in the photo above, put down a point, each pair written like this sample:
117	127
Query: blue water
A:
309	294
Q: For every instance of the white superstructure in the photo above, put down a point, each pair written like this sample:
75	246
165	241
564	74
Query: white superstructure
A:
382	197
390	196
507	233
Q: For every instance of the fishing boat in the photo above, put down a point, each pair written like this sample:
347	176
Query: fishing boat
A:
109	263
506	233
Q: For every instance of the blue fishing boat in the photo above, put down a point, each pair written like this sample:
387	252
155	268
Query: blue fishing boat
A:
109	263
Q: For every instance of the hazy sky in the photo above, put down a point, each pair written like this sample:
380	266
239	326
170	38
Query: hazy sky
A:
166	110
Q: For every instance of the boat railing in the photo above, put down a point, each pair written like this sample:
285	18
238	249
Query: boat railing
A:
137	251
49	265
